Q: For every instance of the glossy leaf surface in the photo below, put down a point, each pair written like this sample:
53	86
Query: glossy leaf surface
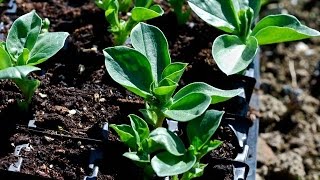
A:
140	14
47	45
151	42
168	140
188	107
23	33
129	68
218	13
217	95
232	55
201	129
281	28
166	164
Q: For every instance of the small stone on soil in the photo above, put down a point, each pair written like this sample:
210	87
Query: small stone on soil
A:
62	109
72	112
60	151
43	174
96	97
43	167
102	100
81	68
48	139
43	95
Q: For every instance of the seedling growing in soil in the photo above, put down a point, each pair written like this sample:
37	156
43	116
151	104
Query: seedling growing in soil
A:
120	27
147	71
170	157
182	12
233	52
26	47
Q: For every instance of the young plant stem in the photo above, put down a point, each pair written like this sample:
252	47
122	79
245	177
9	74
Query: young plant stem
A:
121	37
160	119
185	176
24	106
175	177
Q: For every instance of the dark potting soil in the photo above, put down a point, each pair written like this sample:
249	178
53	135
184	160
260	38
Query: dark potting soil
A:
76	96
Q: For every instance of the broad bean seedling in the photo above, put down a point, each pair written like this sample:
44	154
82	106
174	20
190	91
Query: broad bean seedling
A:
233	52
25	47
121	27
147	70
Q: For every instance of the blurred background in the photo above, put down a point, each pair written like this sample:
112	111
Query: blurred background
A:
289	140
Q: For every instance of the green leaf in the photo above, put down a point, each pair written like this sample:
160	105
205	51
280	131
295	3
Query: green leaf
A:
142	158
157	8
174	71
5	60
151	42
17	72
201	129
188	107
2	44
150	116
232	55
150	146
140	14
124	5
126	134
166	87
240	5
112	15
211	145
129	68
217	95
23	33
47	45
143	3
139	126
218	13
27	87
166	164
182	13
196	171
255	6
246	4
245	18
281	28
168	140
23	57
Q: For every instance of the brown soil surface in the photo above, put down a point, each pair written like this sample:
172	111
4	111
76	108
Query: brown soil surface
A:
290	89
77	97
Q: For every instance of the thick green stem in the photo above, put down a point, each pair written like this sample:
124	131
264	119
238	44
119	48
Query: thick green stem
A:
120	39
27	87
185	176
160	119
175	177
148	172
124	32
